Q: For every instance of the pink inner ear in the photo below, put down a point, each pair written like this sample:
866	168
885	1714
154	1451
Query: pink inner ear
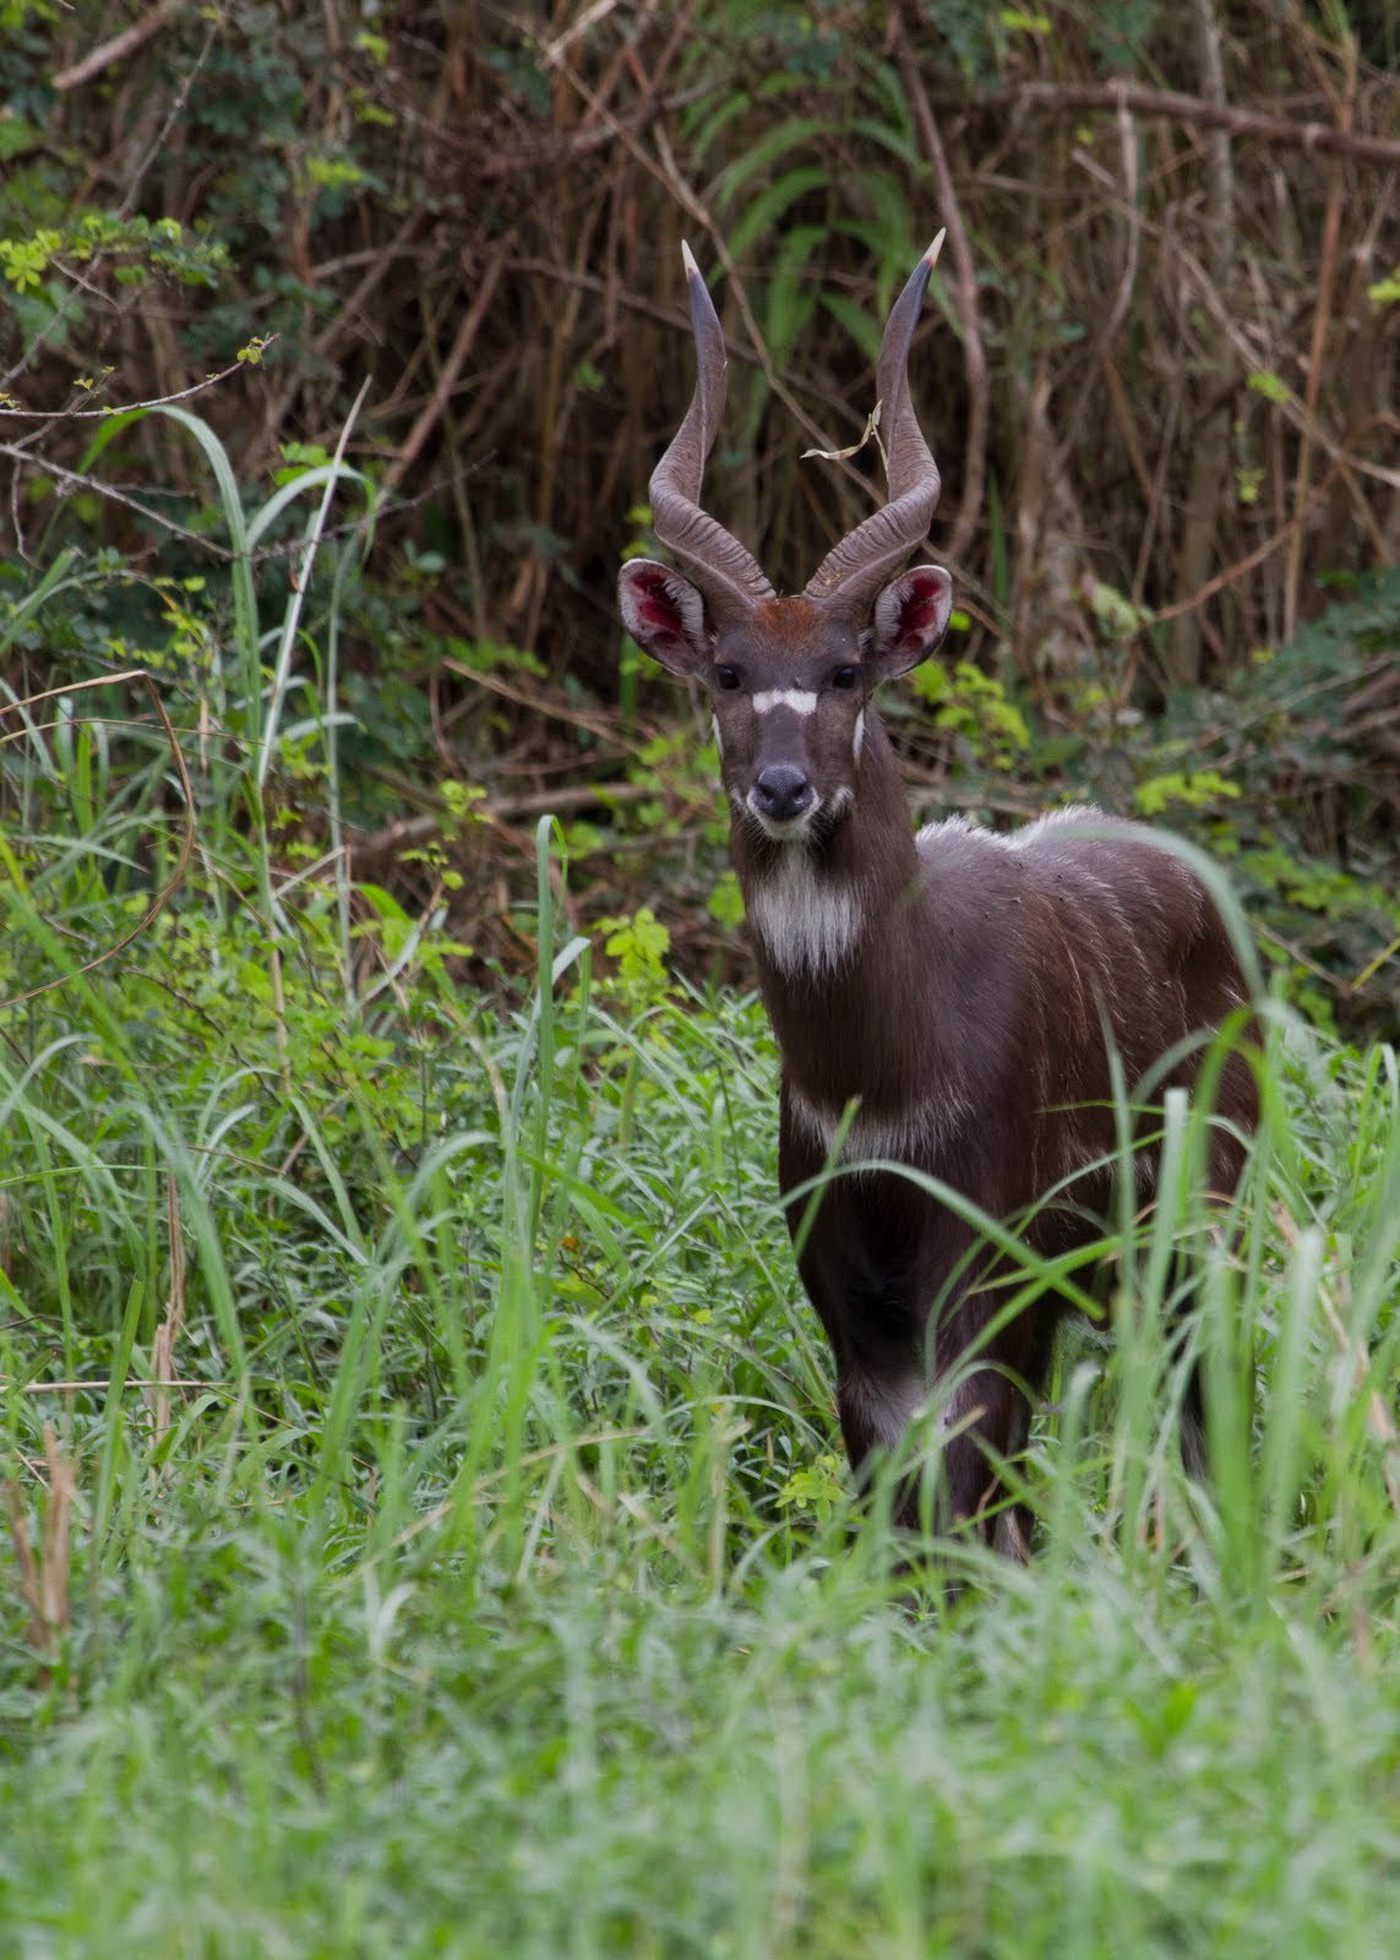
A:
918	606
657	604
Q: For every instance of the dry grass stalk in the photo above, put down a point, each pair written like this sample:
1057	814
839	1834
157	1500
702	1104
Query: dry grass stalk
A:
1354	1361
45	1577
168	1333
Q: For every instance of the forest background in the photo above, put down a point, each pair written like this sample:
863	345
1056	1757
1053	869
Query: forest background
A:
426	1531
1159	371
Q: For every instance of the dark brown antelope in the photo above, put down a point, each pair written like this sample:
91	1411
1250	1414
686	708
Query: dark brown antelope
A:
964	991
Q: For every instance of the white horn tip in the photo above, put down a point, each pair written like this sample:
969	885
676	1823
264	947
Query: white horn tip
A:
937	246
688	258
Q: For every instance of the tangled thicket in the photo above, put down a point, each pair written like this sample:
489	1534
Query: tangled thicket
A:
1159	368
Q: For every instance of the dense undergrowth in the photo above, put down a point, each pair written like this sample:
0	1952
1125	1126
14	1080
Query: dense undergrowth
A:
1158	368
426	1527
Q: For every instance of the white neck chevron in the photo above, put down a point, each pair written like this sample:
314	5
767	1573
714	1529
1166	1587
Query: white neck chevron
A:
808	924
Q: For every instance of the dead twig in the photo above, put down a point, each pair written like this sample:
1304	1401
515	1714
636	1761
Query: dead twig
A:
452	367
1143	101
11	414
553	54
168	1333
1209	463
44	1579
599	723
1312	386
102	1384
405	833
667	172
117	49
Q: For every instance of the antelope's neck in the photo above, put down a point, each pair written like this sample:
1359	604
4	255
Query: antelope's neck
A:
846	950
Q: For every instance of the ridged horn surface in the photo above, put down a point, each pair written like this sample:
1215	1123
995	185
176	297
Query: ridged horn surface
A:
853	571
731	580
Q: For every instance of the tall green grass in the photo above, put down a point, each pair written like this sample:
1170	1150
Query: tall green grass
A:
477	1573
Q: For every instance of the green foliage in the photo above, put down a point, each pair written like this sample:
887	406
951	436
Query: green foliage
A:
726	902
1118	619
138	247
496	1491
452	1459
815	1488
975	708
1269	386
1194	789
639	943
495	1499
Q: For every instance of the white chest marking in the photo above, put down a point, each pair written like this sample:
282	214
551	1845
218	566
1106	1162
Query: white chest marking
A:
886	1403
916	1135
890	1403
800	699
806	923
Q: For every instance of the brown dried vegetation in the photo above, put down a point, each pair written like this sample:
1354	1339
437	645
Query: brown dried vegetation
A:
1154	362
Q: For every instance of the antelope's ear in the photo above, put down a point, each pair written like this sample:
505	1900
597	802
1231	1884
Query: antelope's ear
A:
911	617
664	614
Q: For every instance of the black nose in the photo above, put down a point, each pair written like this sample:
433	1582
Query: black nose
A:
781	792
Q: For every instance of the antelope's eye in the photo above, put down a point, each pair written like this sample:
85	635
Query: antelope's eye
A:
845	677
726	679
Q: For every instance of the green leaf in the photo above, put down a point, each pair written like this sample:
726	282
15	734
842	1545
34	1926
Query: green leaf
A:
1192	788
1269	386
766	212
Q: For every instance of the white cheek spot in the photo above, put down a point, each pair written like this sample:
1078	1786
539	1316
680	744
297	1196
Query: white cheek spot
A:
806	923
858	741
800	699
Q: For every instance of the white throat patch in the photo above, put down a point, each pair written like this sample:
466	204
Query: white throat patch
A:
807	924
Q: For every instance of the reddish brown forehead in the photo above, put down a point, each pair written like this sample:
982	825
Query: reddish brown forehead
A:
793	623
785	636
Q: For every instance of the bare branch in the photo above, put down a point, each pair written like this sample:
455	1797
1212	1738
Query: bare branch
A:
1144	101
128	408
117	49
452	367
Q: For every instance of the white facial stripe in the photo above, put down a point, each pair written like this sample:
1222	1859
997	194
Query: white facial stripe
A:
859	740
719	739
800	699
